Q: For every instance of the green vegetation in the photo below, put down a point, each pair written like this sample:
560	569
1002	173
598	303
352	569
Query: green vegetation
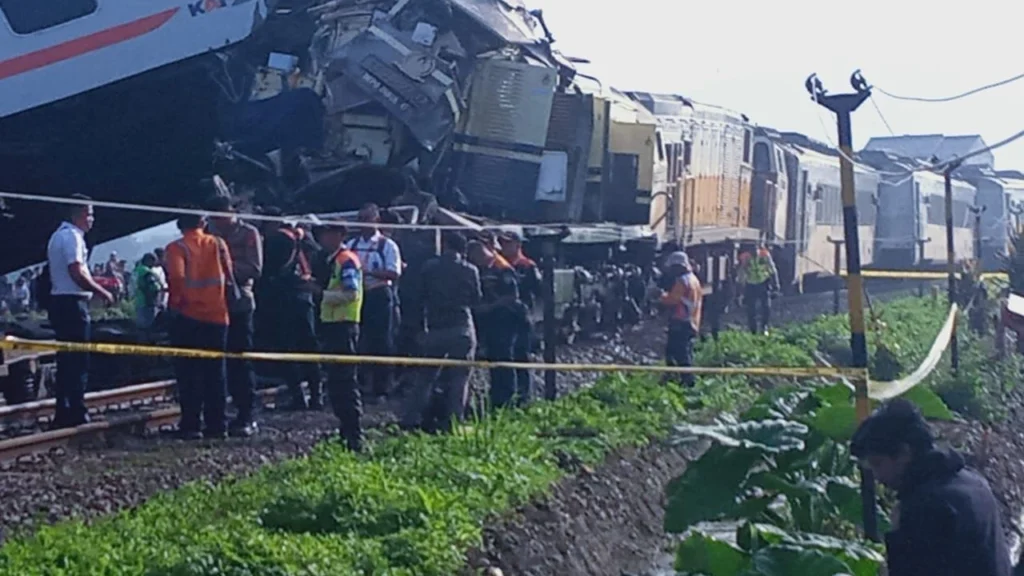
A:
782	471
418	503
412	507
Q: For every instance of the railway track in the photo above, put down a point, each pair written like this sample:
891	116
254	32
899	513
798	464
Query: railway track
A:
153	410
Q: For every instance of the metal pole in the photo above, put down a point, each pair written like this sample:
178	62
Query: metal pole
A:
550	329
977	210
954	348
837	267
843	105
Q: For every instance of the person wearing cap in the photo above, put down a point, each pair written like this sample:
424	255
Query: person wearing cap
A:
511	243
760	279
685	302
341	306
450	290
285	295
382	268
246	249
947	520
496	318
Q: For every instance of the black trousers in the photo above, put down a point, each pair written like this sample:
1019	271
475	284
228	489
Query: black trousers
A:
69	316
288	324
498	332
241	377
757	296
202	382
342	338
377	338
521	353
679	349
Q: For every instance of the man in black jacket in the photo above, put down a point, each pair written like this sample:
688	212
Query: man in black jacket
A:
948	520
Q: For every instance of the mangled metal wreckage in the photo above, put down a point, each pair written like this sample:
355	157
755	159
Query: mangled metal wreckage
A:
467	96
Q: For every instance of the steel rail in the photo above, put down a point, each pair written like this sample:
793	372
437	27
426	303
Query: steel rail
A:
15	448
44	409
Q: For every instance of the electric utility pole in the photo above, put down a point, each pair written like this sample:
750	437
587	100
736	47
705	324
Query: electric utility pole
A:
954	348
843	106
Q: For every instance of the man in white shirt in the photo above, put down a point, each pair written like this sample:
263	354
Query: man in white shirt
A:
71	287
382	267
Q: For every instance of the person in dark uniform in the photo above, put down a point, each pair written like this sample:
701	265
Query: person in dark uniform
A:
947	519
496	318
529	293
287	309
450	289
340	313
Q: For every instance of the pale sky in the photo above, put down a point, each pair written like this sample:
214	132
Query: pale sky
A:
753	56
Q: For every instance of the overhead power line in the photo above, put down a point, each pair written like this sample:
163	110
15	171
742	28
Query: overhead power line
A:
955	96
882	116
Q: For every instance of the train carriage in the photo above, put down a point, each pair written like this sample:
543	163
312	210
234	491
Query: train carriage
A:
797	200
911	231
707	153
1000	196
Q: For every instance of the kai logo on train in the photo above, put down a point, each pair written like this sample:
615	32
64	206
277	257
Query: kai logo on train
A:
200	7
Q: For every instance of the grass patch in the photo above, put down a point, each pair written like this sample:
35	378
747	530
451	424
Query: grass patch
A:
412	507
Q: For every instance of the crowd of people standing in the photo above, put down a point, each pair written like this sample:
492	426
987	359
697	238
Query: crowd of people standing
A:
228	285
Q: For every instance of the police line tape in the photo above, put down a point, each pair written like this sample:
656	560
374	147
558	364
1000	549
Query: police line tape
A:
12	343
913	274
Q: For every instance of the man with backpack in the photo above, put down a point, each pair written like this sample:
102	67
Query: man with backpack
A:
64	289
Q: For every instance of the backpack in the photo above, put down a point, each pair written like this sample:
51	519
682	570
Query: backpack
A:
42	288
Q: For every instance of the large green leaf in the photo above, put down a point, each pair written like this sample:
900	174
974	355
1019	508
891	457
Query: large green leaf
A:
838	422
863	559
776	403
784	560
772	436
929	403
702	554
709	488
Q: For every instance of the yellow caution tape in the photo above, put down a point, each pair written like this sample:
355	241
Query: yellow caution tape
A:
912	274
12	343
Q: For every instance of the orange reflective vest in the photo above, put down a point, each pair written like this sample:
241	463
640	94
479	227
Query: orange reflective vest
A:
198	266
685	300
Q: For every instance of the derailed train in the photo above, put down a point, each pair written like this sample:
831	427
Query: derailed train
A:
320	105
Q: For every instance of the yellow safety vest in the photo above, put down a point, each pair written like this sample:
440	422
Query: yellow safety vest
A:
335	307
758	270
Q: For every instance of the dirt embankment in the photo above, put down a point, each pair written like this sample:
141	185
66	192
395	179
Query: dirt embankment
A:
604	522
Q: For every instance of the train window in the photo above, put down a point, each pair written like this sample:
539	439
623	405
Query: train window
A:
762	157
660	145
28	16
687	151
746	146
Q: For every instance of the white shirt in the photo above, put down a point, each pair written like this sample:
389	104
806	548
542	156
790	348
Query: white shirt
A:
370	251
66	247
161	276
